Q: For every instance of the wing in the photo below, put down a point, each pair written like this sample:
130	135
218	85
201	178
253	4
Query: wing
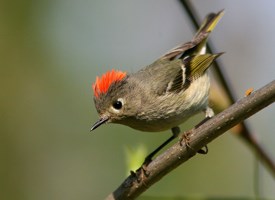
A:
160	76
195	67
164	76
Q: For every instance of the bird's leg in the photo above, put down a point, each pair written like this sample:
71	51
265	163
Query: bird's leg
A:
148	159
209	113
175	133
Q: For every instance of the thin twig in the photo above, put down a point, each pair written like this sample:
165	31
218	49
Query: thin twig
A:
137	183
244	132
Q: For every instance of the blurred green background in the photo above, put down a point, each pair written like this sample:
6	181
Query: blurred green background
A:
50	54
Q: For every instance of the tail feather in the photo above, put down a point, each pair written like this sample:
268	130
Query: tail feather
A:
208	25
210	22
197	45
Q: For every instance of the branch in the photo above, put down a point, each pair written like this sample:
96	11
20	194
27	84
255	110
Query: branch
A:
177	154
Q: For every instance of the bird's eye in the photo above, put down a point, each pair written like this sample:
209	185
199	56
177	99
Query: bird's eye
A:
117	104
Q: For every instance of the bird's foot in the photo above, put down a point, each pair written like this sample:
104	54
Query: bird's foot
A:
185	140
141	174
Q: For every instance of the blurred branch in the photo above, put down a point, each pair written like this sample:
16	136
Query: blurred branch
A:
243	129
200	136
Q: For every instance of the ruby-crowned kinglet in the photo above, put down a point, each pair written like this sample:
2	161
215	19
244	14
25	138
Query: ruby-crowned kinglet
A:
164	94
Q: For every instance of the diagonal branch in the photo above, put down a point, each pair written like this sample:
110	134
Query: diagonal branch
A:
177	154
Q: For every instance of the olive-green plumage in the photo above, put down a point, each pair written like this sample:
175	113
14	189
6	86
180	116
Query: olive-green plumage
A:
164	94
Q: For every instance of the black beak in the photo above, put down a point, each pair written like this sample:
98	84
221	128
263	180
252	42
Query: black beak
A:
99	122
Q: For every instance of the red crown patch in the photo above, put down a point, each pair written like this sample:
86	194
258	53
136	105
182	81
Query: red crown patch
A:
103	83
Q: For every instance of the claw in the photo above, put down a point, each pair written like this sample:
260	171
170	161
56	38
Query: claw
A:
141	175
185	138
202	151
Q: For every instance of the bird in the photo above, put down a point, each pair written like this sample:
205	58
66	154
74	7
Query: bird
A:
162	95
